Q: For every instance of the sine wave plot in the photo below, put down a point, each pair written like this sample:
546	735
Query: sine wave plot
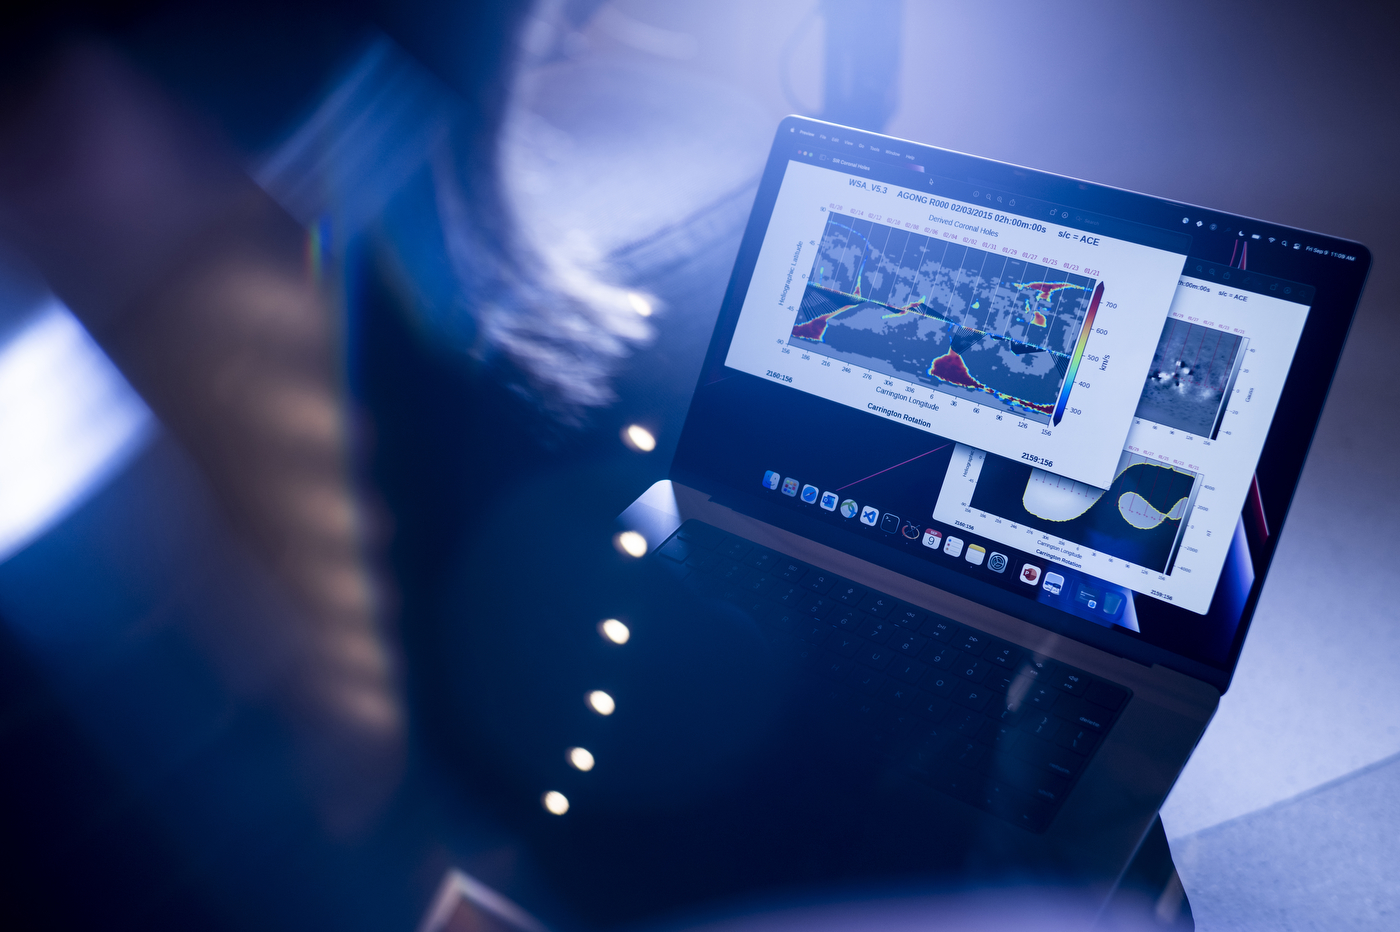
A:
1002	330
1138	518
1056	498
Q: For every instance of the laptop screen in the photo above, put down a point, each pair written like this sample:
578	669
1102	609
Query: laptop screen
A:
1048	396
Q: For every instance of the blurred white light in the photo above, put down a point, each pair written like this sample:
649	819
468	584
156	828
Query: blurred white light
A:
601	702
639	438
644	37
631	543
614	631
68	422
581	758
556	802
639	303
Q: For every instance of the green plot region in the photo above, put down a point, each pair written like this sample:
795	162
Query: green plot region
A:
966	320
1138	518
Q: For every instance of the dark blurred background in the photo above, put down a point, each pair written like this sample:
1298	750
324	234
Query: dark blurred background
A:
322	327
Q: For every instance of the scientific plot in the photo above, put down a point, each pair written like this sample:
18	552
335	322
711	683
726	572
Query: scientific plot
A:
1192	375
1138	518
1002	330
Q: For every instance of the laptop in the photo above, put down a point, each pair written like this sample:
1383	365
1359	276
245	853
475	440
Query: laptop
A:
985	469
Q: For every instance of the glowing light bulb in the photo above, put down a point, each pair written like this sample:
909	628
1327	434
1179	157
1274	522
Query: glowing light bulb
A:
614	631
639	303
581	758
601	702
631	543
555	802
639	438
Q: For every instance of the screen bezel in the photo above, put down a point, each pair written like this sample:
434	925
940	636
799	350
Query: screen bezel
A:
1337	283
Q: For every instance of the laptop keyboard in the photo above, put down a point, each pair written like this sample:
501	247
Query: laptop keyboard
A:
974	716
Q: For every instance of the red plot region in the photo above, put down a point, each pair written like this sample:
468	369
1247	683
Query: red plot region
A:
950	368
1043	291
815	328
1043	409
1046	289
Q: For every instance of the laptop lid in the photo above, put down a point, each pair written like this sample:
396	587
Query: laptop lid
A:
1084	407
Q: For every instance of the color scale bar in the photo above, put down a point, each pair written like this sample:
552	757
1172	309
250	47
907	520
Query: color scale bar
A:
1078	355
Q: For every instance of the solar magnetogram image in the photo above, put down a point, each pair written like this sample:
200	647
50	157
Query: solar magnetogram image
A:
1192	374
925	310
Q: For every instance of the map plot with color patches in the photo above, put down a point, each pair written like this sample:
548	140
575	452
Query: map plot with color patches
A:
1137	519
966	320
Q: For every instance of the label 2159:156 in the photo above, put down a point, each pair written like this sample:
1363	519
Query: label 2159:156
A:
1037	460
